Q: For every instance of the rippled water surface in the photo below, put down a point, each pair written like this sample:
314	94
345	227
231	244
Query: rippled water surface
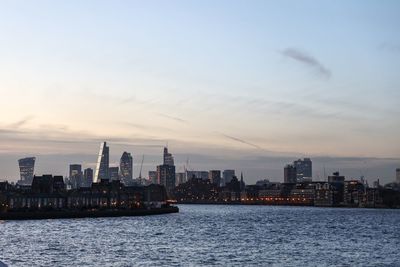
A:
210	235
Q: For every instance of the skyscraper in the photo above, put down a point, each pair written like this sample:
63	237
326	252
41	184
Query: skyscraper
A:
26	169
126	168
114	173
303	168
75	169
227	176
166	176
102	163
75	175
168	158
166	172
290	174
88	177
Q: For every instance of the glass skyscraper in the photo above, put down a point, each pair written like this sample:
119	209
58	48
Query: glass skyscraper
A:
75	175
168	158
126	168
166	172
26	169
303	168
102	163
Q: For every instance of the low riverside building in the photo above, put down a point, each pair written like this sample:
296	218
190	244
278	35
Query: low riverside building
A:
48	193
197	190
373	199
325	195
354	192
271	192
250	193
302	194
336	192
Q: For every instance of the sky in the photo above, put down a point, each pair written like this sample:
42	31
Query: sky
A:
248	85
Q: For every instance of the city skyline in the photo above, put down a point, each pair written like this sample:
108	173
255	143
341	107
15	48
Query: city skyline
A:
303	170
241	86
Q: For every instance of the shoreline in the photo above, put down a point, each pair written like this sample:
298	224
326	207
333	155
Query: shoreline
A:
278	204
72	214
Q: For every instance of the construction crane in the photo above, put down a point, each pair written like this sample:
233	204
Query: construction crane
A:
140	172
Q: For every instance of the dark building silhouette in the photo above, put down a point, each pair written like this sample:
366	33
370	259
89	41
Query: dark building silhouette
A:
197	175
215	177
290	174
227	176
48	184
48	193
114	173
88	177
26	169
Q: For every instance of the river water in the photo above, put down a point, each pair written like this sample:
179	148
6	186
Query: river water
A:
210	235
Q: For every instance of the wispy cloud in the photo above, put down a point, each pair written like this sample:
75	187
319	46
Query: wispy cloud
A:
43	140
21	122
241	141
140	126
307	60
172	118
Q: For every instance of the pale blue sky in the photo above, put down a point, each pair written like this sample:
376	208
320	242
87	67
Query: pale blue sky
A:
315	78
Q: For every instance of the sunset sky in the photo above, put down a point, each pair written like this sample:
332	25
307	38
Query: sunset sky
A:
249	85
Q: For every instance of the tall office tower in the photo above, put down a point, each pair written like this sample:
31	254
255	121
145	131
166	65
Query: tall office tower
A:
88	177
102	163
153	177
290	174
26	169
398	175
168	158
126	168
303	168
75	169
180	178
75	175
113	173
227	176
215	177
166	176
